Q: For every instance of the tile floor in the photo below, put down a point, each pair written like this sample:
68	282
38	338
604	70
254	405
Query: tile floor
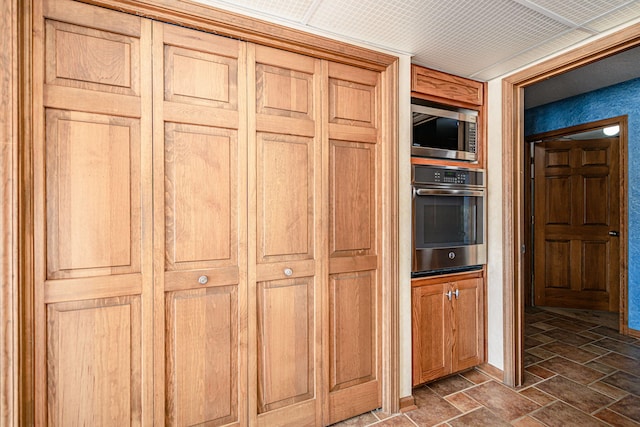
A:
578	373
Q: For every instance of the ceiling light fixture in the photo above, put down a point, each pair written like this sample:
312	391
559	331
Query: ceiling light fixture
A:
611	130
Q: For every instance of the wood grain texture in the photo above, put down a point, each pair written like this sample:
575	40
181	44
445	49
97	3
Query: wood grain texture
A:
9	254
446	86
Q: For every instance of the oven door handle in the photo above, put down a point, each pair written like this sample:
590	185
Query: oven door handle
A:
445	192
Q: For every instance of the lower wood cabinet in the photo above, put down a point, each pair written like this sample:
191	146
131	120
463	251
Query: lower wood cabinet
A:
447	324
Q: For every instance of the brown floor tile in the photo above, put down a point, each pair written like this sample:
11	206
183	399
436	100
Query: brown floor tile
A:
530	342
537	396
463	402
540	352
540	371
570	352
567	337
381	415
615	419
475	376
571	370
450	385
628	406
611	333
530	330
574	394
591	335
624	381
608	390
530	379
619	347
527	422
621	362
480	417
544	326
559	414
432	409
530	359
396	421
570	325
606	369
359	421
506	403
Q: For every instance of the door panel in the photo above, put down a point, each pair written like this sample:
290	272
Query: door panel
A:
286	182
431	336
285	327
94	362
199	221
468	324
354	293
202	356
576	205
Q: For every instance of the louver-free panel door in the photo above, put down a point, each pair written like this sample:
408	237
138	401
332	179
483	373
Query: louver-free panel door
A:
199	220
354	293
284	181
92	210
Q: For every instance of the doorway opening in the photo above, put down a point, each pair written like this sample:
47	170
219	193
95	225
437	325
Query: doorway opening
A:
513	148
575	198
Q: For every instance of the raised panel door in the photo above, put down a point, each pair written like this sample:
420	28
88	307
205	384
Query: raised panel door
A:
285	224
200	222
468	324
353	109
92	210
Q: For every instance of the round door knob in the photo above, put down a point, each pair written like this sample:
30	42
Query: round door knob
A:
288	272
203	280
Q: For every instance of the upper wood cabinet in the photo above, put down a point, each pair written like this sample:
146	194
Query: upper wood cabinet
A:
446	87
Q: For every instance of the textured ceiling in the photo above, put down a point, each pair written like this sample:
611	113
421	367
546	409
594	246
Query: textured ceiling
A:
479	39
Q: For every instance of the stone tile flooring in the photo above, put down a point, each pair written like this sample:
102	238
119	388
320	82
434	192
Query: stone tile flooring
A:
577	373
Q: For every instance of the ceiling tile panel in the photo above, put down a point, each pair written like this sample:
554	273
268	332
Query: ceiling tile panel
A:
462	36
282	9
580	11
618	17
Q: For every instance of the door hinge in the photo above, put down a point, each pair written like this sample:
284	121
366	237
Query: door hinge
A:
533	220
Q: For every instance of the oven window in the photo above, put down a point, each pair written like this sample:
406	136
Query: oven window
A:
447	221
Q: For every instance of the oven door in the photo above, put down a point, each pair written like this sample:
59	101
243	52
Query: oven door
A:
448	229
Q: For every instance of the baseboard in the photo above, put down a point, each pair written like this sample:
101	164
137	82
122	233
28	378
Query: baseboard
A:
633	333
492	371
407	403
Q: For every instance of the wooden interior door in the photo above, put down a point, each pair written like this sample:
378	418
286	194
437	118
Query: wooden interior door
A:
200	227
353	358
577	214
92	157
285	238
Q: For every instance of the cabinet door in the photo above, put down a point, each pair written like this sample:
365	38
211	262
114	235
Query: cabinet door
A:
92	206
284	238
468	324
354	265
431	332
199	219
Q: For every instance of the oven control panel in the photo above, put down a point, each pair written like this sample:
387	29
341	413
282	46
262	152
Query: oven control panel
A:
423	174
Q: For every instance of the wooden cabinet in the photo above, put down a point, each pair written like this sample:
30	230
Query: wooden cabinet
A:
447	325
209	228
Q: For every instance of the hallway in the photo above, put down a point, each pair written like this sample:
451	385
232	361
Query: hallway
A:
578	373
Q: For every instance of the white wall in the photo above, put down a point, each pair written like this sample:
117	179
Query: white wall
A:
495	326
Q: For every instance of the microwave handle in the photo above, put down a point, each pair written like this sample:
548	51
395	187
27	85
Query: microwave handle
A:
445	192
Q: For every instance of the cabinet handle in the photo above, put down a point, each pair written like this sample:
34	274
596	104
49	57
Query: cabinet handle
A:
288	272
448	294
456	293
203	280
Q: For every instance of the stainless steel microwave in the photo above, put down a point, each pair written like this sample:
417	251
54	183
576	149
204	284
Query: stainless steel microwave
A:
443	133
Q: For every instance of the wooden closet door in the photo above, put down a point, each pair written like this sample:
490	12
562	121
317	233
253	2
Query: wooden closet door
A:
200	223
353	357
285	238
92	209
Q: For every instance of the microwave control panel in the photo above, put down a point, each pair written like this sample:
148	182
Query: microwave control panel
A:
423	174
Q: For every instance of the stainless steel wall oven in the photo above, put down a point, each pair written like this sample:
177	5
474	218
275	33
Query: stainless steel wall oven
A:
448	219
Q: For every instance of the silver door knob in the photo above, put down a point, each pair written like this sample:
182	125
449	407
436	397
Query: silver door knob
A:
203	280
614	233
288	272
